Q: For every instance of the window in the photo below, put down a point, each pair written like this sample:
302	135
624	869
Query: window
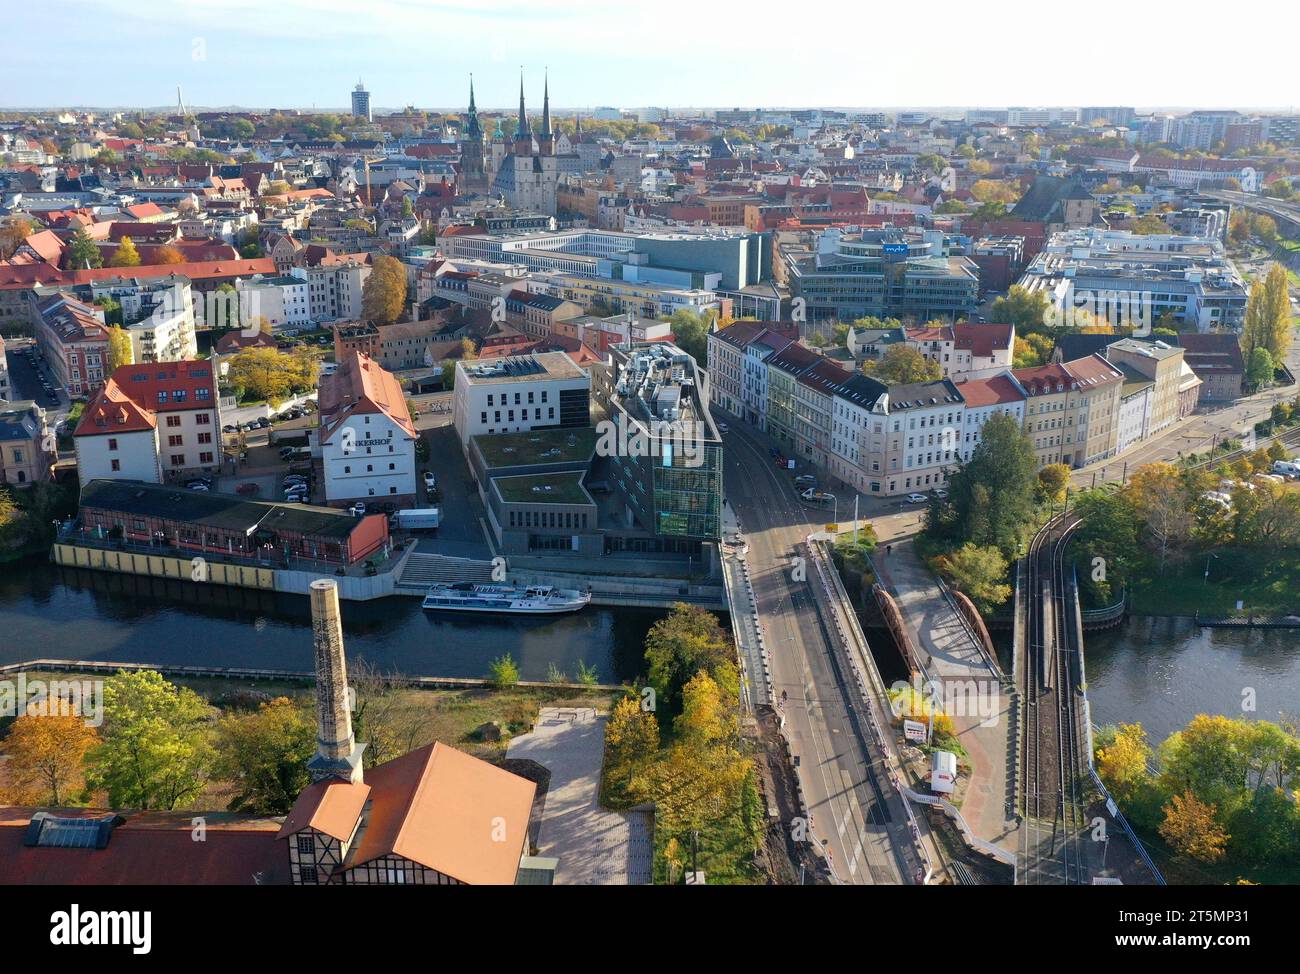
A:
205	437
205	458
307	874
178	459
112	443
115	465
175	440
203	419
173	421
307	845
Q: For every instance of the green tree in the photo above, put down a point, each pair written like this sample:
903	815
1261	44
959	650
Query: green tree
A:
264	755
1123	762
682	644
1259	368
154	752
82	252
1053	479
690	331
384	294
980	573
1023	308
503	672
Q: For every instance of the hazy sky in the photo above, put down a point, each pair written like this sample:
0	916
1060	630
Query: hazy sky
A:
304	53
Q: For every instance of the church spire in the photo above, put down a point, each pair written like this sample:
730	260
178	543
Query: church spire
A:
472	128
545	138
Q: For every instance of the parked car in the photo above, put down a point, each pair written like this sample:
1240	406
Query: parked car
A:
940	493
249	489
916	498
263	423
430	481
203	488
358	509
228	429
806	480
201	481
723	427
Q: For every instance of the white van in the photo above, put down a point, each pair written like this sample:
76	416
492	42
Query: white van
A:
1287	468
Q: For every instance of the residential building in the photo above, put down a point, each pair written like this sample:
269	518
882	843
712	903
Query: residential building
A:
284	302
1216	358
361	102
985	398
1162	364
965	348
152	423
27	449
367	439
334	288
74	340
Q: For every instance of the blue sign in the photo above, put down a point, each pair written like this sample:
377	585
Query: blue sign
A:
894	248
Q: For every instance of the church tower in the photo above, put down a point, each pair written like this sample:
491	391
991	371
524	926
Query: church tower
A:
546	138
523	131
338	755
471	148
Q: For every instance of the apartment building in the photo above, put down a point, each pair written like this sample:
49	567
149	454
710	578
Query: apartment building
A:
74	340
334	288
151	422
985	398
1163	365
1072	409
965	348
283	301
27	453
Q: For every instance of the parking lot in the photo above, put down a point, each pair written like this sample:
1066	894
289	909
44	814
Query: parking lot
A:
461	533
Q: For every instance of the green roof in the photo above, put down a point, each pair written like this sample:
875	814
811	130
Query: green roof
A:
543	488
537	447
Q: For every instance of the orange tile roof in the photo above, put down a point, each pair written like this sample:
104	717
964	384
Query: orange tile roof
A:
361	386
110	411
332	807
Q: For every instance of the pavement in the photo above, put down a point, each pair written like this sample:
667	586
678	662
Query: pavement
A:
981	709
594	846
855	813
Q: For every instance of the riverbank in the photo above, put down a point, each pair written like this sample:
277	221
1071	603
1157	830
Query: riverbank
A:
1267	583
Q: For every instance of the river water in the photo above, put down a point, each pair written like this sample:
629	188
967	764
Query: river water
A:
1162	671
47	611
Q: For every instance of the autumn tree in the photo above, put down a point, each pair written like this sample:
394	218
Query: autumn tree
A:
903	363
120	350
1123	762
631	743
690	332
1021	307
1160	499
154	752
45	758
1191	828
1053	479
264	755
384	294
125	255
167	254
12	233
682	644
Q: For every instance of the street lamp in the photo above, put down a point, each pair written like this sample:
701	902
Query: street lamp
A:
1207	568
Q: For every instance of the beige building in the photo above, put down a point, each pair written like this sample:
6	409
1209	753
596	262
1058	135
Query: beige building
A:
26	454
1162	364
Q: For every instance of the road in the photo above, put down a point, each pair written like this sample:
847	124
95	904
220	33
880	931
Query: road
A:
855	813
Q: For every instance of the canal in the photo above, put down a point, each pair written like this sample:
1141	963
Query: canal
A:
47	611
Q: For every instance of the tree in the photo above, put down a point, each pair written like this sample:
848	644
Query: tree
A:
82	252
154	752
264	754
995	191
1259	368
705	719
120	351
980	573
631	737
1122	764
690	331
1191	828
1160	499
1277	313
1149	224
903	363
1109	532
45	757
991	496
13	232
503	672
1052	481
126	255
682	644
1023	308
384	294
168	254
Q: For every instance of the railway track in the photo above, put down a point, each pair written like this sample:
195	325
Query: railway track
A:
1290	438
1053	775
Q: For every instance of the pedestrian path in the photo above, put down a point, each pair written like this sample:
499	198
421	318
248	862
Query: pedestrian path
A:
981	706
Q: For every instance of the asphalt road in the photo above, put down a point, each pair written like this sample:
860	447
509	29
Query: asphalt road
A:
855	814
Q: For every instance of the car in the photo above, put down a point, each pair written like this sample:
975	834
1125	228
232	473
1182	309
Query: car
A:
248	490
202	488
263	423
940	493
357	509
806	480
203	481
228	429
430	481
916	498
723	428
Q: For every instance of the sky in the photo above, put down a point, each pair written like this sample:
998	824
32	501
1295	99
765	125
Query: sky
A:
669	53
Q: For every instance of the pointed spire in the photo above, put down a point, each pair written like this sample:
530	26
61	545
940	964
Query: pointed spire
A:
472	128
523	131
546	106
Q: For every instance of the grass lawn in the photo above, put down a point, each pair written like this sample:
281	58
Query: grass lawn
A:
1267	581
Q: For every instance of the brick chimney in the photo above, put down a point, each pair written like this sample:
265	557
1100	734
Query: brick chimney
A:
338	755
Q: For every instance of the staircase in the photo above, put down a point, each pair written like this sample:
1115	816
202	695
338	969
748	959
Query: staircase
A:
422	570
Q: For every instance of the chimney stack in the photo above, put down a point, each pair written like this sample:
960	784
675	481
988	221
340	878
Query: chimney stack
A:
338	755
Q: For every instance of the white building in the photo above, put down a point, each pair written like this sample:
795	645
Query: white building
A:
519	393
334	288
367	439
151	422
999	395
284	302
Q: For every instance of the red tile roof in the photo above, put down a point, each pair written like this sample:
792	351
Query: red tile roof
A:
982	340
999	389
361	386
111	411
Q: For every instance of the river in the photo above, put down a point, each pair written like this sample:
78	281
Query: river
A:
1162	671
47	611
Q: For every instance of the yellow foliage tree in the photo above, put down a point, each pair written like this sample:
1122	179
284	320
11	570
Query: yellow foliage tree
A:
1122	764
1191	828
126	255
46	758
